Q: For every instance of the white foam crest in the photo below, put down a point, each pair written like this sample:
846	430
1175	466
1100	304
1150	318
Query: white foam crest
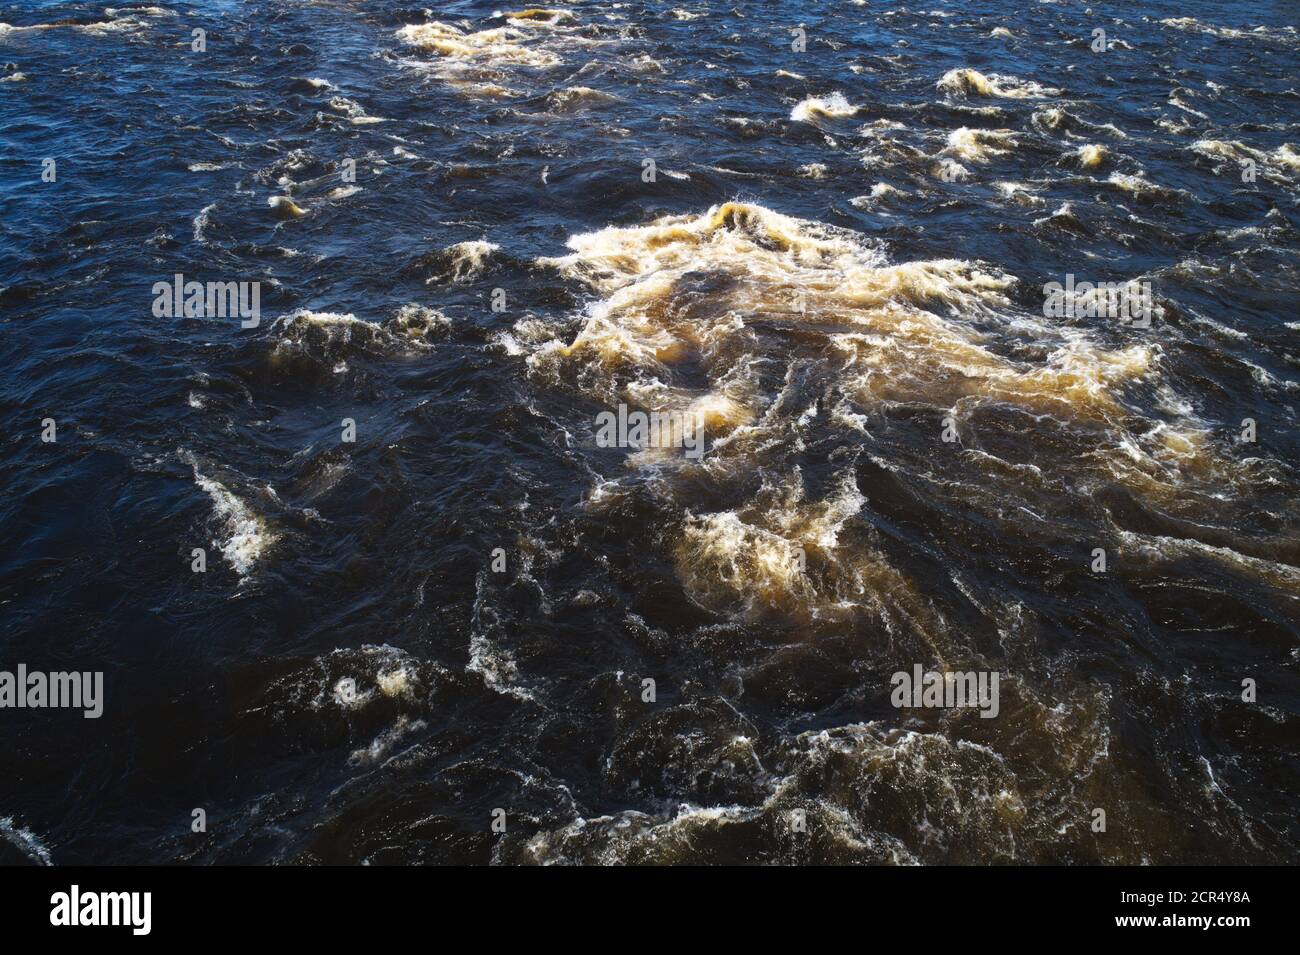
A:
245	537
24	840
834	106
968	81
980	145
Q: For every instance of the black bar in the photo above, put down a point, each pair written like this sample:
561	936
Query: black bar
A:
384	905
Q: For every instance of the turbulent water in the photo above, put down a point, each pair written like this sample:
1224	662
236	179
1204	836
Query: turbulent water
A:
836	261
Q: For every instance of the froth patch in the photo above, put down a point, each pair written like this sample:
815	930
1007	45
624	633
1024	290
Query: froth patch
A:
783	552
875	793
703	311
500	46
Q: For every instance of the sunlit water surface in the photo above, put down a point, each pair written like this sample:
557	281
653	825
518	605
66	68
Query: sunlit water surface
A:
839	249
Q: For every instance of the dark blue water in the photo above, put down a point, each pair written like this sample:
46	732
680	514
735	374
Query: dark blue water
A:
841	250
